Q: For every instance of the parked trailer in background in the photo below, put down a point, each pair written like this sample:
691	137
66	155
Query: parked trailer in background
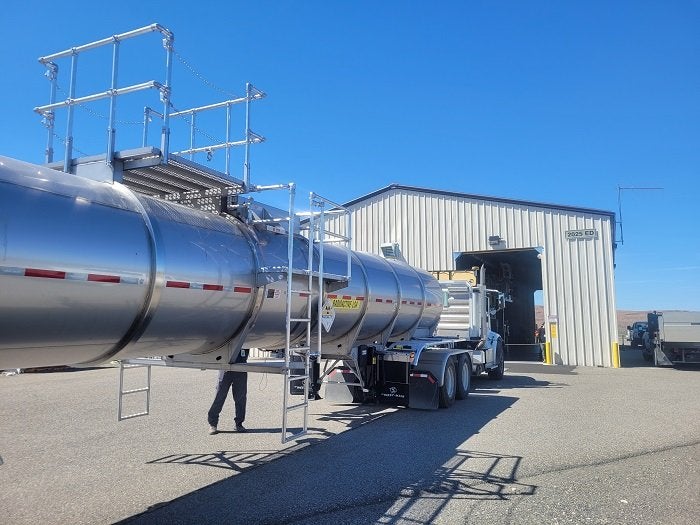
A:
672	338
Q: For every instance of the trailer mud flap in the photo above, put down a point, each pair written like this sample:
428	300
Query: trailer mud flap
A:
341	387
423	391
394	394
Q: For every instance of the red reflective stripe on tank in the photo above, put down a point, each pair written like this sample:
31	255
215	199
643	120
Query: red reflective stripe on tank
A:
347	297
214	287
360	298
404	302
388	301
412	302
377	300
430	378
242	289
332	296
419	303
98	278
303	294
177	284
48	274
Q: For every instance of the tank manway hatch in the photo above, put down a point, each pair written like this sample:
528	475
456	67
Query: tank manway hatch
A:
188	160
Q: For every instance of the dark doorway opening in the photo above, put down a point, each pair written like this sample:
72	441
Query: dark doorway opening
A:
518	274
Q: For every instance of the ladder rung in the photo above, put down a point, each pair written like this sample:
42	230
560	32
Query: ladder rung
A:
135	390
301	320
138	414
336	238
300	405
296	378
295	436
302	291
334	276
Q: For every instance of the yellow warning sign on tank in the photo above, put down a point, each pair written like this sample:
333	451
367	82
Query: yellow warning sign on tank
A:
346	304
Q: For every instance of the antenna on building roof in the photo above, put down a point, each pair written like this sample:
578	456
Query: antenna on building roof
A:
619	206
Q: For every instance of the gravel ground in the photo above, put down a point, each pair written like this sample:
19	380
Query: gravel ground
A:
542	445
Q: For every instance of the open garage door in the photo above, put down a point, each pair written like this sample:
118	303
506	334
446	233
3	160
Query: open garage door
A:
518	274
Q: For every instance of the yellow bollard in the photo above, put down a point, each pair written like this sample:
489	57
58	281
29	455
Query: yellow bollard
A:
616	355
548	353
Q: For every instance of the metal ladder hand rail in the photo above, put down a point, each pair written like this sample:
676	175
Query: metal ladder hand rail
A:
289	377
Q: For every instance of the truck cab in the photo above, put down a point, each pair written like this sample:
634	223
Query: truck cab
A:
635	333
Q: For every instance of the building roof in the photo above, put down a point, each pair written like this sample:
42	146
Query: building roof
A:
480	197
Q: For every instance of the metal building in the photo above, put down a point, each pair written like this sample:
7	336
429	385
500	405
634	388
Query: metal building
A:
566	252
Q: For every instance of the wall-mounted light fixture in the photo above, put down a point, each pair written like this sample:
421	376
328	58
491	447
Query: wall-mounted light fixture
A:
495	240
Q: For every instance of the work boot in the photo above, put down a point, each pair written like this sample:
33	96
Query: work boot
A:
240	428
212	430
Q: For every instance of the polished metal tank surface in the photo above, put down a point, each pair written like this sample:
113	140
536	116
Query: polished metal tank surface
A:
92	271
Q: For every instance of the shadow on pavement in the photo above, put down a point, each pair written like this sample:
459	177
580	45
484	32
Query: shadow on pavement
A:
402	457
539	368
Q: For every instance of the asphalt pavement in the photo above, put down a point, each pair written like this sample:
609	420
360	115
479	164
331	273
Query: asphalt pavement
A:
546	444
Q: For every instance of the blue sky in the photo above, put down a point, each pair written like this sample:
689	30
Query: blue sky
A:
556	102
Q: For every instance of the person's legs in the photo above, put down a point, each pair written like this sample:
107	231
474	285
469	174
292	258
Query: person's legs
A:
222	387
239	389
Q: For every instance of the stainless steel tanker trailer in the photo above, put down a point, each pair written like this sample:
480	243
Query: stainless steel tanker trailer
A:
92	272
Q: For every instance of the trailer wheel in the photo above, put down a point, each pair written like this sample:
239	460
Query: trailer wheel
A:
497	373
464	376
448	390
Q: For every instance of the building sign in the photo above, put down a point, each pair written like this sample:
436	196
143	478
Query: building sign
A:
575	235
553	331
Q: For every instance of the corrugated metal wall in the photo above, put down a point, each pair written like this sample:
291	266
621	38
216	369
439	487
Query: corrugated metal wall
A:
577	276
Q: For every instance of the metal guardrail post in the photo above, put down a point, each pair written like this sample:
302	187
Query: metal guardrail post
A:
71	111
246	162
49	116
111	131
228	140
165	96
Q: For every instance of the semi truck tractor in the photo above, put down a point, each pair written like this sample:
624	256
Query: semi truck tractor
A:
93	272
672	338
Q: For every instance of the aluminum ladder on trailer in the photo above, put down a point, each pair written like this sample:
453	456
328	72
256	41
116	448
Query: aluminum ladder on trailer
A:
123	366
317	236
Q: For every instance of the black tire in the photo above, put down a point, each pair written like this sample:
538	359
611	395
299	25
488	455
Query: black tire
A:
497	373
448	390
464	376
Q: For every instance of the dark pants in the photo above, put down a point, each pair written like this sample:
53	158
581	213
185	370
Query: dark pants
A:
238	381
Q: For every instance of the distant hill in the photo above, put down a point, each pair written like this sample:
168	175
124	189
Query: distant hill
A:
624	318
